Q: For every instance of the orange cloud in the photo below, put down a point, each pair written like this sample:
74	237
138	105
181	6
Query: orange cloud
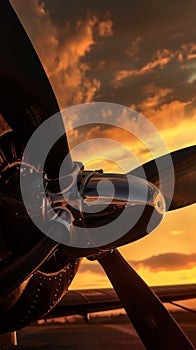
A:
160	59
156	96
189	51
69	74
175	121
105	28
62	53
87	91
108	147
101	65
160	262
167	262
134	48
160	269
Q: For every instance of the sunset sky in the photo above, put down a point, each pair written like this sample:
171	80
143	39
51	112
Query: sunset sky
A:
140	54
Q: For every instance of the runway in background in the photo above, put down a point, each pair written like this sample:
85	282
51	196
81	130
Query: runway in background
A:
99	335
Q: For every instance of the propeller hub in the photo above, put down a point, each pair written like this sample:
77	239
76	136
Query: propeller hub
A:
101	211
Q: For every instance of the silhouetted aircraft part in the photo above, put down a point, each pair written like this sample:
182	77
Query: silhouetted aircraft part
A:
12	145
8	340
16	269
92	300
26	101
126	208
115	210
184	162
155	326
41	294
26	96
86	317
183	307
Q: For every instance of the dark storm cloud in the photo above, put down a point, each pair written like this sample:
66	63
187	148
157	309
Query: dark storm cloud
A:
155	263
143	32
139	16
159	25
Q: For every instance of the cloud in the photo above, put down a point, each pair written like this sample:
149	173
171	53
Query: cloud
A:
82	52
87	91
159	60
84	47
156	263
155	96
129	151
188	52
105	28
172	119
64	48
104	153
166	262
177	232
93	267
134	48
68	74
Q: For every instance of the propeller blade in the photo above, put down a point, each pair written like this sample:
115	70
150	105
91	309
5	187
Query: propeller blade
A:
184	163
155	326
26	96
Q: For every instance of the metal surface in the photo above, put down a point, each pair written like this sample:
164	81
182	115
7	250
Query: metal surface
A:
184	162
94	300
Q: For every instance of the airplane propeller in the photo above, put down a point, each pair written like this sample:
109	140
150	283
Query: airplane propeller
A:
155	326
184	161
25	84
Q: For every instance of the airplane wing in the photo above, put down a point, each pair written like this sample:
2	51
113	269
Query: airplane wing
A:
85	301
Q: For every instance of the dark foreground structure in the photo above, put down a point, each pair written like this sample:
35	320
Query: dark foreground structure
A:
113	334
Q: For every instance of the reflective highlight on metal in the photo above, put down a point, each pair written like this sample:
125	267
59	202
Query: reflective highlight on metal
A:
113	206
118	202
